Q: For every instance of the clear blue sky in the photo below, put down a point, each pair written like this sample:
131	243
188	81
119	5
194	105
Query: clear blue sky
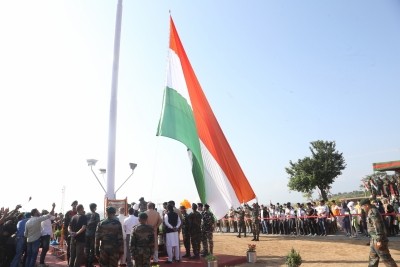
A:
278	75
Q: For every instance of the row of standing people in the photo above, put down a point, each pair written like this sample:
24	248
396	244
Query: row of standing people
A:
309	219
116	240
167	225
279	219
197	229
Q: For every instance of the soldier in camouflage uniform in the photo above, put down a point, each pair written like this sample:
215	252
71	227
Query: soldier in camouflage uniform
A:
201	211
207	229
247	218
379	241
185	231
93	218
241	223
142	242
194	220
255	216
109	243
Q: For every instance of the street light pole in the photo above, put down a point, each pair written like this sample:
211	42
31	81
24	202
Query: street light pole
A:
133	166
91	163
113	107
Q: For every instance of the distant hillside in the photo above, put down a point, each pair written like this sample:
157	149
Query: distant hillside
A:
354	194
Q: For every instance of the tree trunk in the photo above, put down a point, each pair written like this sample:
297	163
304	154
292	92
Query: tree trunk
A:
323	194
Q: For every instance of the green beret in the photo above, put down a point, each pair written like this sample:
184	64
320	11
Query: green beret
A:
143	216
111	210
365	201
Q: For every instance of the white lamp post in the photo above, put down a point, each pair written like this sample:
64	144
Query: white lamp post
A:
92	162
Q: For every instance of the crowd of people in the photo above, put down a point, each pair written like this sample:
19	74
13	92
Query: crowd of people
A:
385	186
144	231
22	233
114	241
311	218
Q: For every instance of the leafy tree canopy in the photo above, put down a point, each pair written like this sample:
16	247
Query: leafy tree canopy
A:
318	170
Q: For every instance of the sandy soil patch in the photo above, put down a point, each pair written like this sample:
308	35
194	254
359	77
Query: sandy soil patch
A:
319	251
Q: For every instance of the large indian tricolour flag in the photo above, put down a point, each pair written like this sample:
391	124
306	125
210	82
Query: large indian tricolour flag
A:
187	117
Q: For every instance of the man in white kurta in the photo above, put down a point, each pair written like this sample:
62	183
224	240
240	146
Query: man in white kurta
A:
172	223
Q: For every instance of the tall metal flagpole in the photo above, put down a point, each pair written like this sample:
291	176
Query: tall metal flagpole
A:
112	128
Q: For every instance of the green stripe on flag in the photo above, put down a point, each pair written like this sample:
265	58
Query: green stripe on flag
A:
177	122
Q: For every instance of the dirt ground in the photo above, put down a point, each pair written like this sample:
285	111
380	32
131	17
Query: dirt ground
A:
319	251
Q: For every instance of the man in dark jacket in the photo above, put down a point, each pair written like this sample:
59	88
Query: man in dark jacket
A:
93	218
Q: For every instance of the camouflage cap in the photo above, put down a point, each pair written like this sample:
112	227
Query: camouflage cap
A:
111	210
143	216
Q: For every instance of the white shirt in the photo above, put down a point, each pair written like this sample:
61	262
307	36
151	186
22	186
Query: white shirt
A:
322	210
353	210
47	228
272	213
291	212
282	215
33	227
129	223
122	218
301	212
287	212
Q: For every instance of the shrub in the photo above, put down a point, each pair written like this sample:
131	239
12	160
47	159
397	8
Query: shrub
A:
211	257
293	258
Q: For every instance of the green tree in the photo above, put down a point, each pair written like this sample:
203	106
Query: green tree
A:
308	195
318	170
